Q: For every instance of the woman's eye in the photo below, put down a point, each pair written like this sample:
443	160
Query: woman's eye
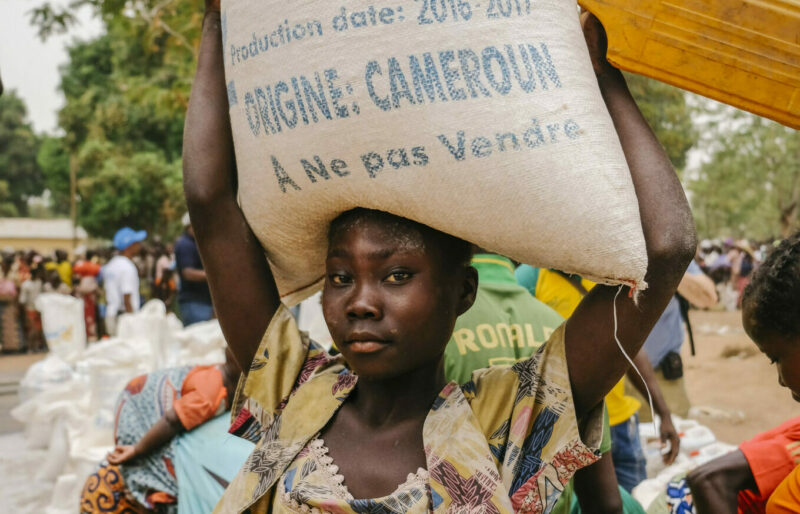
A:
398	276
339	279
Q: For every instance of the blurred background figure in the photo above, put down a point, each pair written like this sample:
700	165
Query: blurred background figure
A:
121	277
194	297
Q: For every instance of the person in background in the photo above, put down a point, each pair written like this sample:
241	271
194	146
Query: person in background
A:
86	271
506	325
166	288
21	269
164	284
763	474
153	414
11	337
194	298
29	292
743	480
742	267
164	259
53	283
503	326
627	461
663	345
771	317
121	277
64	267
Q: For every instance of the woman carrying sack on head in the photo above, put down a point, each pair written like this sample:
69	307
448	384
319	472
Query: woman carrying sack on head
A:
379	428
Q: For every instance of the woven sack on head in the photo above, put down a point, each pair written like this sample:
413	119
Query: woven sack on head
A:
480	118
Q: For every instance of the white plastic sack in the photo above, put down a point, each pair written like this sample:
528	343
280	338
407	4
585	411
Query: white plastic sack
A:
67	488
150	327
198	344
482	119
57	454
45	374
63	324
110	365
39	414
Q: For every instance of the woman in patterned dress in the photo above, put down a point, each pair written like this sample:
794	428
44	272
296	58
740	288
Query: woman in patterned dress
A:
378	429
152	410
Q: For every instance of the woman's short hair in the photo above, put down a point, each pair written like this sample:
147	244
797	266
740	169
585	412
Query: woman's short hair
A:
454	253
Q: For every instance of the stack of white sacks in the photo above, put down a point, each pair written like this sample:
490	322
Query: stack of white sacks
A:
698	446
67	399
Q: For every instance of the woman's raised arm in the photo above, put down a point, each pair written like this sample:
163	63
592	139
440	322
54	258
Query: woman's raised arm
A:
242	288
593	357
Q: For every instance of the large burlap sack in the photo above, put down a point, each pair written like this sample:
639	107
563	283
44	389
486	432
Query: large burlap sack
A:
481	118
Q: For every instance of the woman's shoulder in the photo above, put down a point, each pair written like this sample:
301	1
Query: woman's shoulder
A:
286	361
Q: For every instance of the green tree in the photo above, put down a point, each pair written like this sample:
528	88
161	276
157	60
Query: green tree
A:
750	185
53	161
7	207
126	94
666	110
141	190
18	147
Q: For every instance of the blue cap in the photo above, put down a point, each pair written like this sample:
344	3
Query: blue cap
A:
126	236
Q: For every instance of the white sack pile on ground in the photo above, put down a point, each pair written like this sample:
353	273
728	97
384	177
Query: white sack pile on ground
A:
67	399
698	446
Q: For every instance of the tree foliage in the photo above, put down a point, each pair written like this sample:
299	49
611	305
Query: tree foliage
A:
750	185
126	94
18	146
53	160
666	111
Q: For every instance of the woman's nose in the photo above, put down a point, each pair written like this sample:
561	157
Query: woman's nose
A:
365	303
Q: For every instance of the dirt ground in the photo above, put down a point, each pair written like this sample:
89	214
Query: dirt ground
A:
731	381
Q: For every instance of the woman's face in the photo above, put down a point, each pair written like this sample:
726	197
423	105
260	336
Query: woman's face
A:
389	306
782	350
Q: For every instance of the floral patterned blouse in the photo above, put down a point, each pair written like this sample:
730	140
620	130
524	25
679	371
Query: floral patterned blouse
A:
507	441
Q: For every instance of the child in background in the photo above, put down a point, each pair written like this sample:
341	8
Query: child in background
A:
754	478
771	316
379	429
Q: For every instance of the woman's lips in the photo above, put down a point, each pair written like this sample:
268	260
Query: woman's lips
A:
366	346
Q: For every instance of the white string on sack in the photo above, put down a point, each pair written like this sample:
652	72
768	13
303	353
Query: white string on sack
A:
649	396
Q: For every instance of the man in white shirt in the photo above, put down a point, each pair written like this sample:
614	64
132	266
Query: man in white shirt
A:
121	277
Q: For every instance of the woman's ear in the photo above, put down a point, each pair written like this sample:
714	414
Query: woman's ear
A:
469	288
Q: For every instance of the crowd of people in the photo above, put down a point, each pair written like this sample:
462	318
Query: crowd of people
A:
173	273
110	281
731	263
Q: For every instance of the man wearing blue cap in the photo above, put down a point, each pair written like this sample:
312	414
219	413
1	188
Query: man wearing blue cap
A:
121	277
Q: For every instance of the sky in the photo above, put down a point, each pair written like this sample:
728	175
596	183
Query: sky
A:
30	66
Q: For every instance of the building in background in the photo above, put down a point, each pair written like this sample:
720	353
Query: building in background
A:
42	235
